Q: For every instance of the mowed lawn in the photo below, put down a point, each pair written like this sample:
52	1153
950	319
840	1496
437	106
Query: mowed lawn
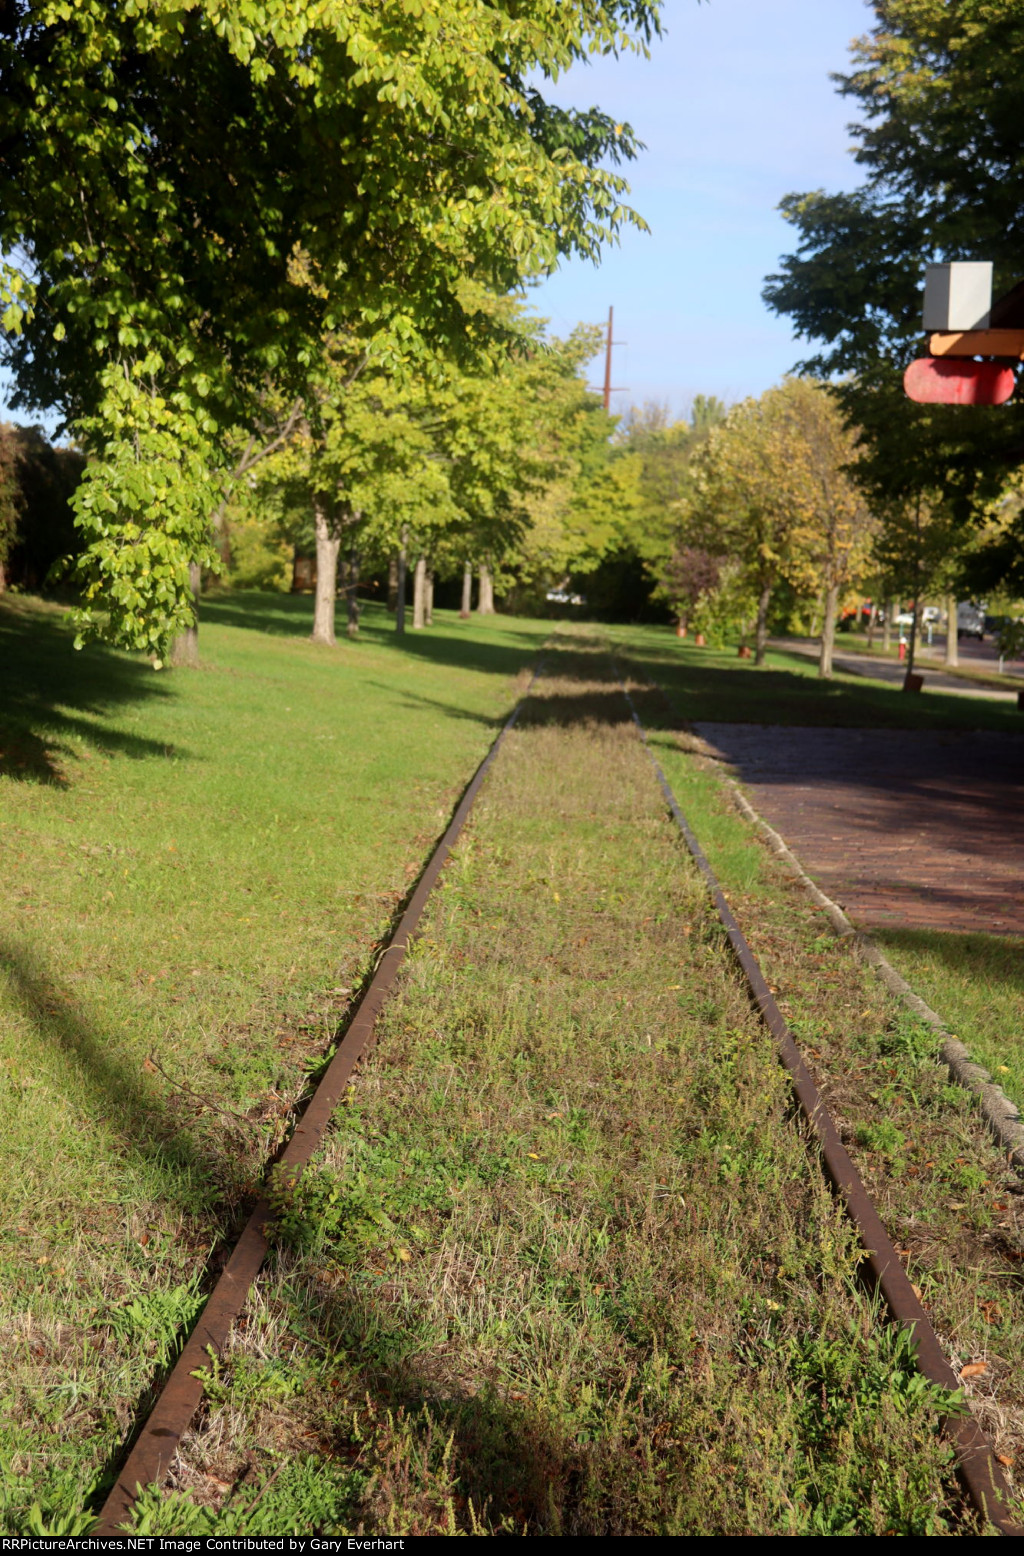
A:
198	867
562	1266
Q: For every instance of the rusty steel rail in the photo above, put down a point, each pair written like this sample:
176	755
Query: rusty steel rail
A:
153	1450
980	1473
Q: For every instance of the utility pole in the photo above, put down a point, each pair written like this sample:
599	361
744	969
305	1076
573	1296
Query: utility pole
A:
609	387
608	365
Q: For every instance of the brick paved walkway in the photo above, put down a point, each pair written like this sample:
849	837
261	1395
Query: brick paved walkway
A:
923	830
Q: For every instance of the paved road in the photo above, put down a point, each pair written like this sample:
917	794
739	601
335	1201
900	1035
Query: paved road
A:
892	672
979	653
919	829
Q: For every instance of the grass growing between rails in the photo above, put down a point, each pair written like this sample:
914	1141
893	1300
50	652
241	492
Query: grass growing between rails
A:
565	1265
198	867
786	690
953	1207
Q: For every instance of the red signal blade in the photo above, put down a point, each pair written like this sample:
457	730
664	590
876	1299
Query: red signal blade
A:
958	381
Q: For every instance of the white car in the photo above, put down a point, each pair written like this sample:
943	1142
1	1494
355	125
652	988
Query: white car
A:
929	616
970	621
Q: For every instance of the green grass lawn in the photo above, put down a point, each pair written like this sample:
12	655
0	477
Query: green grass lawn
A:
564	1265
976	983
198	868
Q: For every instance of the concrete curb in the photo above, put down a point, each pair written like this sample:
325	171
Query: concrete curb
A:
1000	1114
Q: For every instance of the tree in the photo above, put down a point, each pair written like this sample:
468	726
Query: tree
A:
689	576
939	84
37	482
8	503
219	186
684	573
775	495
918	535
443	467
831	542
745	503
582	506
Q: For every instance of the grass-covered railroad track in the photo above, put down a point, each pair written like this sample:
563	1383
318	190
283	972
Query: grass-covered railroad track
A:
565	1263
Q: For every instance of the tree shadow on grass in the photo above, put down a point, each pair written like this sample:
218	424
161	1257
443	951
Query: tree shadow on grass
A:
278	615
465	652
451	710
590	706
744	694
156	1132
52	695
997	960
289	615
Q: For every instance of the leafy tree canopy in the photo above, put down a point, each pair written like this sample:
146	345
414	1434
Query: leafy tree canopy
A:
939	85
196	194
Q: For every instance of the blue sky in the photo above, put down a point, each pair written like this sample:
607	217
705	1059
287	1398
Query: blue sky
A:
737	109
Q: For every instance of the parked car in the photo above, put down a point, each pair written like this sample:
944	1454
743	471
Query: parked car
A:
970	620
929	616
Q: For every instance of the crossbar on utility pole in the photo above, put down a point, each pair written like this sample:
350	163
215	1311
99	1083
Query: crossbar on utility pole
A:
609	387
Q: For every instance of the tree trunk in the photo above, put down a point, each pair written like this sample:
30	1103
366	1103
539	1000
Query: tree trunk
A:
887	626
393	584
761	630
327	547
419	594
952	647
910	648
400	590
222	533
185	648
816	617
467	591
428	600
872	619
485	600
828	632
915	605
3	577
352	593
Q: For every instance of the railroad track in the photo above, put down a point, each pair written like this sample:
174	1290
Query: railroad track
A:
157	1439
